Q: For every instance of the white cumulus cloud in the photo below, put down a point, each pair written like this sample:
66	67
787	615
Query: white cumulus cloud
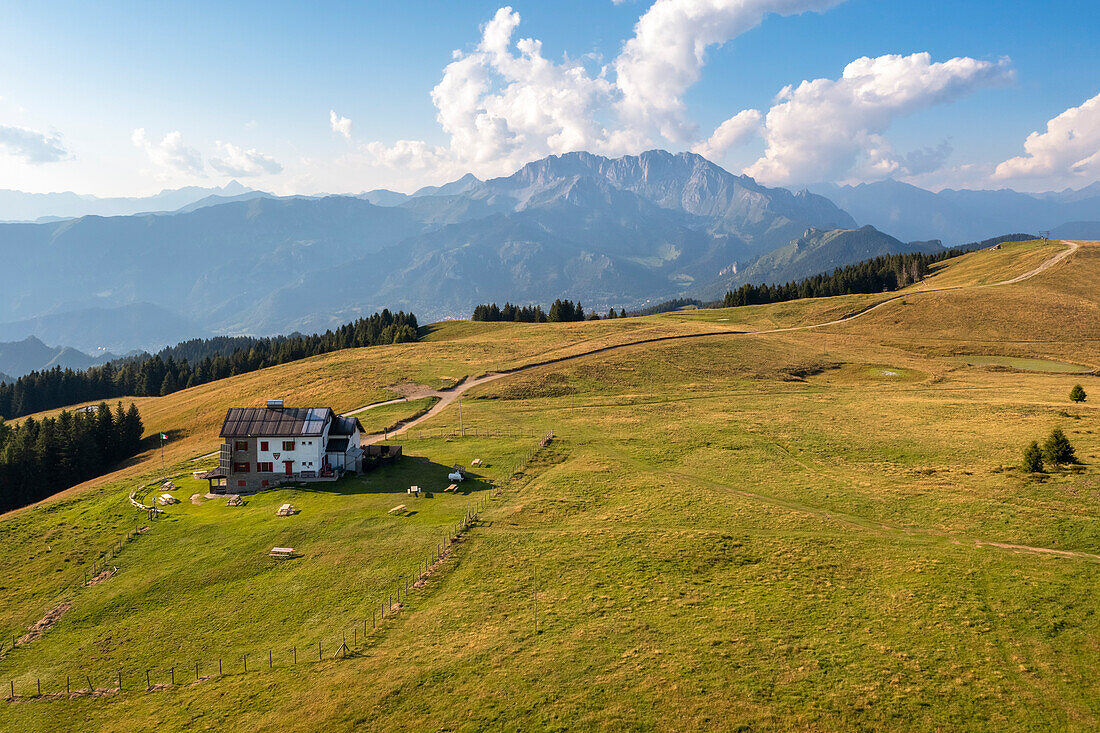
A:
504	102
667	53
828	129
1069	149
31	145
241	163
171	156
339	124
737	130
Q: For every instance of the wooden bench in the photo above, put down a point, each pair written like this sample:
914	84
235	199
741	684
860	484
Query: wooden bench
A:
452	487
399	509
475	462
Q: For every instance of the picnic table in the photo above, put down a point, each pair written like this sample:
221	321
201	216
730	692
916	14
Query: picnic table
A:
283	552
452	487
475	462
400	508
285	510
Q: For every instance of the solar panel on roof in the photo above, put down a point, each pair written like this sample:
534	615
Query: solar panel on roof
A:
262	421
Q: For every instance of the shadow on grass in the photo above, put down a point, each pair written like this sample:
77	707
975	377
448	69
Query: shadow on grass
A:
396	478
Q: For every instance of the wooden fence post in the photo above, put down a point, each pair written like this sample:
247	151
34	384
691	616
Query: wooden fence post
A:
66	684
173	675
246	664
119	682
318	651
147	685
39	687
197	675
219	666
90	689
270	663
12	689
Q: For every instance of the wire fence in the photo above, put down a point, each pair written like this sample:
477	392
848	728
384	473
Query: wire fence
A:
354	637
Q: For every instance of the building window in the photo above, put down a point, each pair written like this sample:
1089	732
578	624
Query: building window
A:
242	482
240	467
265	468
288	445
240	445
263	445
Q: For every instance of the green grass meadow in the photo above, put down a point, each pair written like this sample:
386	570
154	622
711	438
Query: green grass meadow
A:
810	530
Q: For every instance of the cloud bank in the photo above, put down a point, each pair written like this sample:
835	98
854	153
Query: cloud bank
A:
1070	147
504	103
170	156
240	163
339	124
826	129
31	145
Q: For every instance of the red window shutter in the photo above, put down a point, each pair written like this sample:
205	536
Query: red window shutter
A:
263	445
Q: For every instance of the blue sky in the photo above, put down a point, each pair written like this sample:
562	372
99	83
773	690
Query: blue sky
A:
248	91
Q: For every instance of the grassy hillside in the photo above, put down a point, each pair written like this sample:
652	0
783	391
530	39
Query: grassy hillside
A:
821	528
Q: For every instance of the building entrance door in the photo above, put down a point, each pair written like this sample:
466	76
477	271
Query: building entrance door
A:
289	467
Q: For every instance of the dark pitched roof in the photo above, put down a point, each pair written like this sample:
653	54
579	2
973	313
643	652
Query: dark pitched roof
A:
345	426
337	445
245	422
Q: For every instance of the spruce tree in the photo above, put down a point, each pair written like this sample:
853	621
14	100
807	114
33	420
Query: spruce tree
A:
1033	458
1057	449
1077	394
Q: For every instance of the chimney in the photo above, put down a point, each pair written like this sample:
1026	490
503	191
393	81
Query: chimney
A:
274	404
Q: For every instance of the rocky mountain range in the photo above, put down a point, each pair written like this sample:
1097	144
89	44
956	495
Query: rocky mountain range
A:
611	232
21	357
958	216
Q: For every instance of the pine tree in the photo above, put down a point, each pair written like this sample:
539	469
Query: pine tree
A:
1057	449
1077	394
1033	458
168	384
132	429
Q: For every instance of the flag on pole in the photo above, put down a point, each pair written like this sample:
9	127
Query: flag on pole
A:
163	436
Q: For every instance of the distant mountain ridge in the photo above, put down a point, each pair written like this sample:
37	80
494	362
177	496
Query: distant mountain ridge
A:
608	230
22	357
958	216
18	206
89	326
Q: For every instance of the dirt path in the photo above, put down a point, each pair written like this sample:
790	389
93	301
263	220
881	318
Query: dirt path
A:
449	396
1046	265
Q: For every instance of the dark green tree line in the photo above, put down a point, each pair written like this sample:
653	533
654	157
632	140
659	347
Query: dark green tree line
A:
193	362
41	457
561	311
